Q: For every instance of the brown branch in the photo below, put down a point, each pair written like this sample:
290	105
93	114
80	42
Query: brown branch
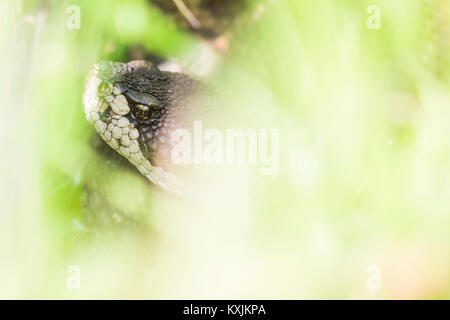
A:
187	14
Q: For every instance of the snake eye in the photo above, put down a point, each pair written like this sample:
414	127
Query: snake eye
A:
141	111
143	98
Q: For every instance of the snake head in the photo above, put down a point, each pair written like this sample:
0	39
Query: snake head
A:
134	107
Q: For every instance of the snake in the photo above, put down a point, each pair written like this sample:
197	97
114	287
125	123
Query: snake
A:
135	107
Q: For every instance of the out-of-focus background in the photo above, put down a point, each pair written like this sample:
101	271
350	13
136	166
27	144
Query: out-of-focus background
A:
359	91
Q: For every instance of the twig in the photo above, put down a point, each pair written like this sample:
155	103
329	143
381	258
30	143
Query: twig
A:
187	14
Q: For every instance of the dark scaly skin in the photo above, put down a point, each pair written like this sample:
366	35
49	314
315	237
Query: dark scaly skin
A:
154	103
175	94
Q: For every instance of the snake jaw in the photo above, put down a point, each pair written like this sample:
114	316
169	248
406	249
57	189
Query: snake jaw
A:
106	107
